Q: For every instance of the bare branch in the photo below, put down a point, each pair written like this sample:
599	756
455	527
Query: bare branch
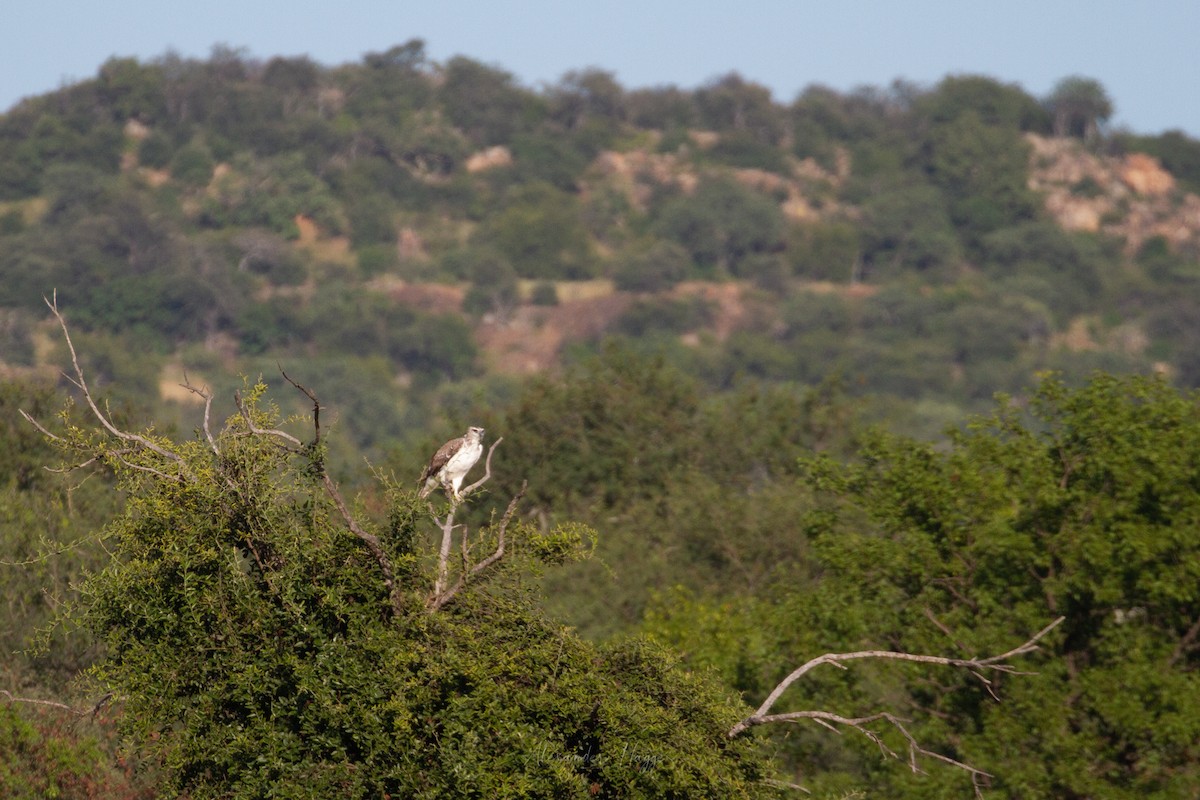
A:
976	665
487	471
447	527
254	429
441	595
1185	642
78	712
316	406
207	395
41	429
829	719
81	382
786	785
370	540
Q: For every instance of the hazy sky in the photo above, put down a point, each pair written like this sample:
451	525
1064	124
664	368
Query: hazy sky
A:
1146	54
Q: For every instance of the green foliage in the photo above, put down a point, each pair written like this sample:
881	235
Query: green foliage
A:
192	165
1070	266
484	102
721	224
541	233
1088	509
824	251
652	269
258	650
983	171
731	103
907	227
271	194
611	430
994	103
1078	105
494	282
155	150
664	316
44	755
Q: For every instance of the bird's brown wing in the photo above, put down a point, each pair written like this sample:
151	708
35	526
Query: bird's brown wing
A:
440	458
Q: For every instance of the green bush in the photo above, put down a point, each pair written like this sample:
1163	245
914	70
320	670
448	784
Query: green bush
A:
263	648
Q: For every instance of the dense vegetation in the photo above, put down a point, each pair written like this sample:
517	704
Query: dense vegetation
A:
779	279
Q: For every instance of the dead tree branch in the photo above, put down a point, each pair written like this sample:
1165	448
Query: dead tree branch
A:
206	394
369	539
81	383
976	666
443	595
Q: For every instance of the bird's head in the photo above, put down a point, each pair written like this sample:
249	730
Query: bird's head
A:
475	433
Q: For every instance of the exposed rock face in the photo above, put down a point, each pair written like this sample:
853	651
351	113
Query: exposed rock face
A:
491	158
1145	175
1129	196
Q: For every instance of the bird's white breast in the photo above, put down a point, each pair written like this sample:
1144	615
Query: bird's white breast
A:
462	461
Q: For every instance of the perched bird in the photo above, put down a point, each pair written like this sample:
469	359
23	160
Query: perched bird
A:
451	463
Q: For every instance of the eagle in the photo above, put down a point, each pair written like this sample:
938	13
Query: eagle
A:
451	463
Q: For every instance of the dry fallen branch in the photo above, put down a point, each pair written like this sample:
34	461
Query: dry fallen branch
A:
78	712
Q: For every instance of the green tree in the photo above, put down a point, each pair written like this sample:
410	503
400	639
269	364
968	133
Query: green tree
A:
731	103
540	232
484	102
721	224
264	640
1079	105
1085	504
983	170
907	226
995	103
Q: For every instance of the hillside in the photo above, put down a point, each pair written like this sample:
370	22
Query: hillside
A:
682	310
426	226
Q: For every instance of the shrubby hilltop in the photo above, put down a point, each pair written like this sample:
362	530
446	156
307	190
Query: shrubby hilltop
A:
401	220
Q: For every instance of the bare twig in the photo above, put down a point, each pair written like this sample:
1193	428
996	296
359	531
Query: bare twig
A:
257	431
207	395
977	667
316	406
369	539
1185	642
786	785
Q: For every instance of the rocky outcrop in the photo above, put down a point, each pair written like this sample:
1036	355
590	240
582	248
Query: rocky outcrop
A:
1130	196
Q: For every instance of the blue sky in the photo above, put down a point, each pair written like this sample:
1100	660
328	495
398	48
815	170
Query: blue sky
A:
1147	54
